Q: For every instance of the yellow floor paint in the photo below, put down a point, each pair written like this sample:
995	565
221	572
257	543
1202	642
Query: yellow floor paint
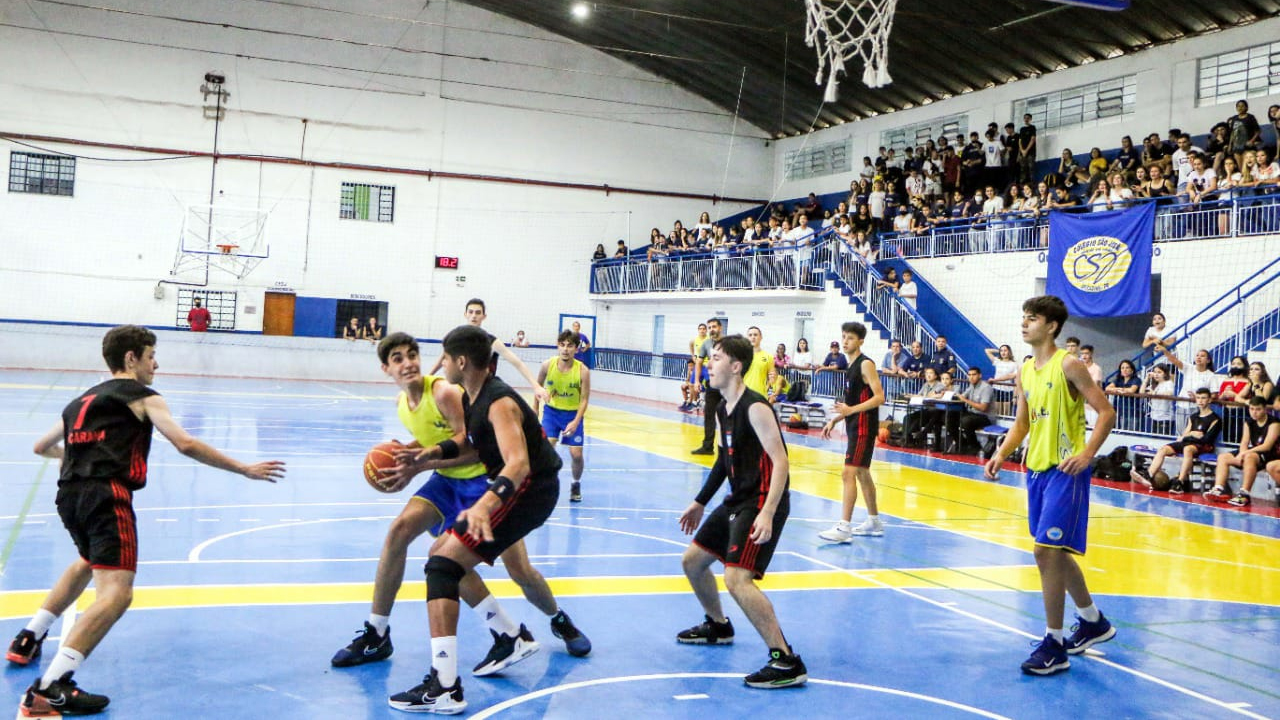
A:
1130	552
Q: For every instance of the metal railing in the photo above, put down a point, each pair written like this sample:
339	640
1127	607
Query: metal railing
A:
780	267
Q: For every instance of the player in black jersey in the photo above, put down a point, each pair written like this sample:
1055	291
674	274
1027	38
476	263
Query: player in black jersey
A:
506	435
475	315
858	409
744	530
1200	437
103	440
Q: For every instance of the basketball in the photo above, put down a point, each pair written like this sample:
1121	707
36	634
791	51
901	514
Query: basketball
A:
883	435
1160	480
381	457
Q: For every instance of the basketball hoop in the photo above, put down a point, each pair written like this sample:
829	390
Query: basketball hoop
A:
843	29
226	248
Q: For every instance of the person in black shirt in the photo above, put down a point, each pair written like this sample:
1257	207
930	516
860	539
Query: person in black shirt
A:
474	313
858	409
1200	437
1259	446
524	469
743	531
103	440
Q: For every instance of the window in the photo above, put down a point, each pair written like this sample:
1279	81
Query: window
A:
42	174
367	202
221	305
913	136
1091	104
1238	74
818	160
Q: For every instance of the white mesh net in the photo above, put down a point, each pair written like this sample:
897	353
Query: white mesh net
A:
843	29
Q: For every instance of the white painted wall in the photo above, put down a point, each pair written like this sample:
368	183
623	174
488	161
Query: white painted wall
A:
539	107
1166	97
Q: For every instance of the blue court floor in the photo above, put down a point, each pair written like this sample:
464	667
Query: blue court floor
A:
245	589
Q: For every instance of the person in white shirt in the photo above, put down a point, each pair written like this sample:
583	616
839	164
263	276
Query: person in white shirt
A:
875	201
1201	181
993	155
802	359
902	222
992	206
915	185
1266	172
868	171
1200	375
908	290
1159	382
1182	161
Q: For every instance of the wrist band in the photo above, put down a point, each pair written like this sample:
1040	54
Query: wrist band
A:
448	449
503	487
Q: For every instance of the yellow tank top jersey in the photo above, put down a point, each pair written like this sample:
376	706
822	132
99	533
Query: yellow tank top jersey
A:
429	428
565	387
757	377
1057	418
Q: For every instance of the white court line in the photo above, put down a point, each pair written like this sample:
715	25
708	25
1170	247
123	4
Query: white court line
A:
415	558
694	696
194	555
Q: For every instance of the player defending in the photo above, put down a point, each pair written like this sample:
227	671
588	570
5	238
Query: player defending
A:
744	530
568	382
1052	390
862	395
475	315
103	440
505	433
431	409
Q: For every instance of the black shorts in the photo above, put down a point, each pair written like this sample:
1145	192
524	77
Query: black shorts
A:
519	516
1201	448
861	446
725	534
99	515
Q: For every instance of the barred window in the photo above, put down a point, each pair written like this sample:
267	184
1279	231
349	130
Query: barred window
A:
913	136
818	160
42	174
221	305
367	202
1091	104
1232	76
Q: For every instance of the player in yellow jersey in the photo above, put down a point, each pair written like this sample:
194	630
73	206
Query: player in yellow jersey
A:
430	408
1053	388
757	377
568	383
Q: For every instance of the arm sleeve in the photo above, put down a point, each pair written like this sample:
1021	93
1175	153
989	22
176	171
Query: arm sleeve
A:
715	479
1212	431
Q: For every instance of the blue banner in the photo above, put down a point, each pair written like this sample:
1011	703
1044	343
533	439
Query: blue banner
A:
1100	263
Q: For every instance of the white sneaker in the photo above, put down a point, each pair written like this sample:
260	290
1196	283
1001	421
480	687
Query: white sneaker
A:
875	528
839	533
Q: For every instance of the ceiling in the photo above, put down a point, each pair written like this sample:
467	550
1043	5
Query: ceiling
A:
938	48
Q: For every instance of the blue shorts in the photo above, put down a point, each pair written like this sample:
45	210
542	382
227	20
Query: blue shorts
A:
555	421
1058	508
451	496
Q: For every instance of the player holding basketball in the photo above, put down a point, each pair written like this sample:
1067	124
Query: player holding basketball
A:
1052	390
862	395
568	381
431	409
475	315
744	530
103	440
504	431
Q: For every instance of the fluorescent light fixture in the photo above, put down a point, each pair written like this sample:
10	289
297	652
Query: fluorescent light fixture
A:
580	11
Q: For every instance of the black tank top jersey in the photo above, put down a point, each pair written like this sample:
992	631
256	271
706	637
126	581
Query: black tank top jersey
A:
1210	425
103	438
493	359
544	461
856	390
750	470
1258	431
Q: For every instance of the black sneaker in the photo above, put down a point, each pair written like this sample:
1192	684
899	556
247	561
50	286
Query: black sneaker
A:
507	650
708	633
574	641
25	647
366	648
575	492
430	697
781	671
1085	634
702	451
1240	500
62	697
1048	658
1177	487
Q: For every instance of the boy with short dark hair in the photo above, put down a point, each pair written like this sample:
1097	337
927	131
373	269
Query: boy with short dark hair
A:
1200	437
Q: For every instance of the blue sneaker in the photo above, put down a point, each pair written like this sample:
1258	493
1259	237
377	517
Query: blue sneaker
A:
1048	658
574	641
1085	634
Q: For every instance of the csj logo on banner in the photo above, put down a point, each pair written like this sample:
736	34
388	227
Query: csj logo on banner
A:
1096	264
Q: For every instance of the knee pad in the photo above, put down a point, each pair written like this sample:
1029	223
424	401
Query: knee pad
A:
443	576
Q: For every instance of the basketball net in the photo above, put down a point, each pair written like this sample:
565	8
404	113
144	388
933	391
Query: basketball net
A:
843	29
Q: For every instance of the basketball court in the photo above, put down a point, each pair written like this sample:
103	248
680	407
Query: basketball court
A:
246	589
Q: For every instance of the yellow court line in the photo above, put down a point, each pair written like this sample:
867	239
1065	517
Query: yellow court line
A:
1130	552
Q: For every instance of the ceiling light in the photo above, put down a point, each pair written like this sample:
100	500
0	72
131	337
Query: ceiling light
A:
580	11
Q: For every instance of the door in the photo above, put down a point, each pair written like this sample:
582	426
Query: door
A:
277	313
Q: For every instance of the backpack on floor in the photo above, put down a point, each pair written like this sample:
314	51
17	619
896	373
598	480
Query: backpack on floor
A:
798	392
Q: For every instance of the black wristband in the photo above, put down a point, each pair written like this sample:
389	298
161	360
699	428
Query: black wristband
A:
503	487
448	449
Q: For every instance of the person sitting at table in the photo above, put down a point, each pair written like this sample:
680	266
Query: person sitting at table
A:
913	425
936	415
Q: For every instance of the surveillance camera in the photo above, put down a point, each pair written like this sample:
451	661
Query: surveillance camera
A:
215	78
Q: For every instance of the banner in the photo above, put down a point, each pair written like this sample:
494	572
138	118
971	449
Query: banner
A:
1100	263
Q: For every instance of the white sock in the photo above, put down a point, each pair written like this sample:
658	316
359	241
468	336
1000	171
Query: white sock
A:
380	623
491	612
444	658
41	622
1057	634
67	660
1089	614
873	519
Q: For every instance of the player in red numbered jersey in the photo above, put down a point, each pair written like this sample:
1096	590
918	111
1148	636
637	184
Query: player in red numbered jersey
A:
103	440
